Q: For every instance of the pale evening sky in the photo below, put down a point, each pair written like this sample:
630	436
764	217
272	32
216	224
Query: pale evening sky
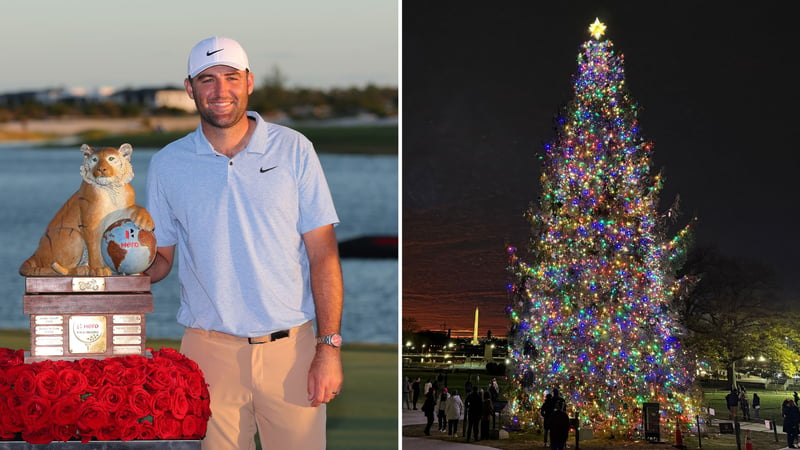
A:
93	43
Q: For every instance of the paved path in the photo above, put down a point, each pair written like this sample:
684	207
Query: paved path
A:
416	417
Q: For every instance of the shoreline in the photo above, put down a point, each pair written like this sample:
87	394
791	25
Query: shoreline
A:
343	135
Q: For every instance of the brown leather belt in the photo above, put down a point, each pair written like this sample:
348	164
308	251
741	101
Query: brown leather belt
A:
257	339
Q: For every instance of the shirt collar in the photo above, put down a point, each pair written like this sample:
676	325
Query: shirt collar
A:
257	143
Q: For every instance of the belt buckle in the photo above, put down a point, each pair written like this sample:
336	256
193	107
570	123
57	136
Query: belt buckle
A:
279	335
272	337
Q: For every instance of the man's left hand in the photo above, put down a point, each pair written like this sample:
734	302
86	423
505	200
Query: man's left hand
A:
325	377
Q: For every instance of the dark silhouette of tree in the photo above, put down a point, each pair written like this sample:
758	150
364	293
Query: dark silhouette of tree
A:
732	312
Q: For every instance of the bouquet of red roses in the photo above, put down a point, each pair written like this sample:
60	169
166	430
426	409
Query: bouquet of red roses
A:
120	398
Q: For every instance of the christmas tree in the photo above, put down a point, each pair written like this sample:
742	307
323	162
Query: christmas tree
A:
592	302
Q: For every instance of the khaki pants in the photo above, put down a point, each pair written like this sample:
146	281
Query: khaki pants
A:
258	387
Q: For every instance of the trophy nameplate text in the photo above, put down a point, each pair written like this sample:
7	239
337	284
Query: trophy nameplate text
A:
86	317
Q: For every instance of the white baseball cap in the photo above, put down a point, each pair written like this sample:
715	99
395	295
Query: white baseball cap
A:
217	51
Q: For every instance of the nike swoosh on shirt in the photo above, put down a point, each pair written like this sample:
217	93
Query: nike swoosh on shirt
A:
262	170
209	53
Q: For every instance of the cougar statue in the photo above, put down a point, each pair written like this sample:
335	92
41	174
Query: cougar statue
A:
71	243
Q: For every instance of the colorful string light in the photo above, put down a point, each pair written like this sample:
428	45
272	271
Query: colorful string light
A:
591	300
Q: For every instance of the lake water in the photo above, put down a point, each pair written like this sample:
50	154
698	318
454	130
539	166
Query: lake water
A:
34	183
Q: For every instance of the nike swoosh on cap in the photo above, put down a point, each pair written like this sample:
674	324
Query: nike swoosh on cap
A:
210	52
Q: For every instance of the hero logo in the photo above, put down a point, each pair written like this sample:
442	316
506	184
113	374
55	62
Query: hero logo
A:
129	234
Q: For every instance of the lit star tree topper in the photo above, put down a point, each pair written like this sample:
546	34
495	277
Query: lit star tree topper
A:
597	29
592	301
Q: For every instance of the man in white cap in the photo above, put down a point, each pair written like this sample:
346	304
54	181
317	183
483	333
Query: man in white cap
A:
247	206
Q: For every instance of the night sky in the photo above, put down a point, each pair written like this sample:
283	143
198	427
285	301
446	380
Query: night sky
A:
482	82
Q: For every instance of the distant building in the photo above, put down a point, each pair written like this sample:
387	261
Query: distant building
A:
150	98
156	98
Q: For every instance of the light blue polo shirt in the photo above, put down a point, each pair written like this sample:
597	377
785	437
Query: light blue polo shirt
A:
237	225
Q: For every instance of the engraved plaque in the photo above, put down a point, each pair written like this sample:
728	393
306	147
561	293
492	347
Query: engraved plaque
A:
97	284
49	340
49	351
127	318
49	320
87	334
127	329
127	350
119	340
49	329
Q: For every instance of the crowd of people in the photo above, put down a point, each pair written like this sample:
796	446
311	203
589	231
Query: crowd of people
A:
444	405
737	399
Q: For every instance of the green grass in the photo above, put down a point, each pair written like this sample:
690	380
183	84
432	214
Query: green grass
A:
374	140
364	416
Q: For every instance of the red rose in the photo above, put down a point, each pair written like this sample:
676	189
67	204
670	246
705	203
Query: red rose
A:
10	419
108	432
72	381
47	384
25	383
194	427
112	396
113	370
134	375
5	382
179	405
159	403
35	412
200	407
10	357
146	430
167	427
65	410
120	398
92	369
129	431
195	384
168	354
41	435
93	416
124	417
139	401
65	433
160	379
134	361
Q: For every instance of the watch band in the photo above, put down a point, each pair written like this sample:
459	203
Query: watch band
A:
333	339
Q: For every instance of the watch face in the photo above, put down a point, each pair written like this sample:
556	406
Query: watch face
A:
336	340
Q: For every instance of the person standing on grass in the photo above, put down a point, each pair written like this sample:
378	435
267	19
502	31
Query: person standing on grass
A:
745	404
732	401
756	405
244	207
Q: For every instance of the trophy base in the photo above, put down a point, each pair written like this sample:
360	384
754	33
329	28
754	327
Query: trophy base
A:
87	317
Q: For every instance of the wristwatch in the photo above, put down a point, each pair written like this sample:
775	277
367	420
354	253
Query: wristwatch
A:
334	340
